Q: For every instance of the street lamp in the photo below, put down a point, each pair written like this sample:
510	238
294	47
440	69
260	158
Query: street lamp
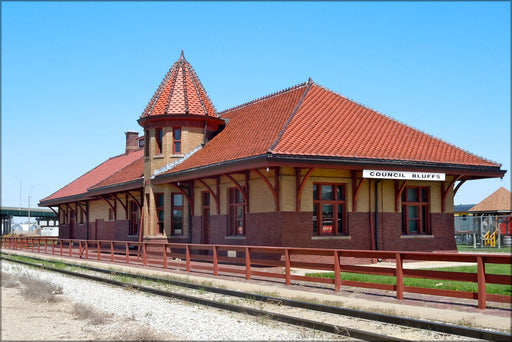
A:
30	194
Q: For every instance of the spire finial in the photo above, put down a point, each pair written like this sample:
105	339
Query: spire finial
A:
182	55
310	80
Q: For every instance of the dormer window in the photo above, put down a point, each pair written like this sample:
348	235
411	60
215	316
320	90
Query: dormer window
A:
176	134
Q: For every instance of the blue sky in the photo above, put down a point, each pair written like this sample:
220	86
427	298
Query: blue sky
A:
77	75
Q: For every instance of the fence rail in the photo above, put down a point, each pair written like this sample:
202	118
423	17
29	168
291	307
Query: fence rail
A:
278	262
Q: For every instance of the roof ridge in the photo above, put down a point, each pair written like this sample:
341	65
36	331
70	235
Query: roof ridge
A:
309	83
264	97
407	125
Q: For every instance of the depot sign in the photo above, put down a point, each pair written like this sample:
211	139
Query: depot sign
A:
404	175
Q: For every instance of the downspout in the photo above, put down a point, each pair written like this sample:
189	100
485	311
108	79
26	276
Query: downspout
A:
87	219
377	214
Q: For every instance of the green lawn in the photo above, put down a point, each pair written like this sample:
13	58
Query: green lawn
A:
434	283
467	248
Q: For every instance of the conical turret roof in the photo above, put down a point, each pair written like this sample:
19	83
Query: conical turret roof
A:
180	93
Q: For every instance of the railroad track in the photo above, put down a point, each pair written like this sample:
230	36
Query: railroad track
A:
270	307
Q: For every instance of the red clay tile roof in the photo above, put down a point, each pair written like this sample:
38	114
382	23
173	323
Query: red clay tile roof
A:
180	92
498	201
251	130
329	124
130	173
310	120
98	174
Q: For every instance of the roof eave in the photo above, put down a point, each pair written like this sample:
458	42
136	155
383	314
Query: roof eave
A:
269	159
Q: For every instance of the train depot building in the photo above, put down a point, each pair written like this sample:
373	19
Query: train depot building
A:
303	167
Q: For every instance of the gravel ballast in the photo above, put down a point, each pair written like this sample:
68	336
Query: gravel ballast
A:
163	318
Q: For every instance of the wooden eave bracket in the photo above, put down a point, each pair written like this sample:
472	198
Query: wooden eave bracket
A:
398	193
113	206
356	187
300	184
274	189
215	196
245	193
446	190
187	196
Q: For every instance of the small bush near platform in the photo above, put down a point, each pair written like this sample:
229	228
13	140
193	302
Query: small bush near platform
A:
37	289
87	312
9	281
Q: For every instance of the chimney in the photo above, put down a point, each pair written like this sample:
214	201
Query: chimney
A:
132	141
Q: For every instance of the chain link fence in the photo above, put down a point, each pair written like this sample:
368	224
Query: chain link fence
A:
483	231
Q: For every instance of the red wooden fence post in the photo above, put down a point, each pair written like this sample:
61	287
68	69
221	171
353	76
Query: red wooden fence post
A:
215	261
247	264
38	244
70	248
60	245
127	251
187	253
399	276
287	266
87	249
80	249
337	271
144	254
481	282
45	246
165	256
112	251
99	249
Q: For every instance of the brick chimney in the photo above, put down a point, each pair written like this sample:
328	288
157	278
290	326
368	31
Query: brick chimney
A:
132	141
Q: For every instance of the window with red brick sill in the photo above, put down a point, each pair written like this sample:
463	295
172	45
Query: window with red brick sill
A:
159	204
176	144
158	141
329	209
416	211
236	213
176	214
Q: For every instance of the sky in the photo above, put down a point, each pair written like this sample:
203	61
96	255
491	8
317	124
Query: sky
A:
77	75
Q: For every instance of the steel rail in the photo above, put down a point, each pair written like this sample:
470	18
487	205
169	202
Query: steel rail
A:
396	320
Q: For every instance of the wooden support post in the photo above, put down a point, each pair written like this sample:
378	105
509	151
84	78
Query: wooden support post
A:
80	250
481	282
247	264
38	245
87	249
45	246
337	271
99	249
60	243
399	276
287	265
70	247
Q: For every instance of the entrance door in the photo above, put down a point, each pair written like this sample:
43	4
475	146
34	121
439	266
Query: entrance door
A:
205	231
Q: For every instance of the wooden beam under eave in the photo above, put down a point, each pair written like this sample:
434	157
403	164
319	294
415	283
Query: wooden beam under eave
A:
398	193
445	191
274	189
215	196
245	193
300	184
356	187
187	197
